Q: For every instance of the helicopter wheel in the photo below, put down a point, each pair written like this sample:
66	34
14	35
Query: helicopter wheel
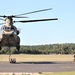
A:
12	60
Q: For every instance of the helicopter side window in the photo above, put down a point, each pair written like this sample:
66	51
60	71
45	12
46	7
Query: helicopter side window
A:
6	28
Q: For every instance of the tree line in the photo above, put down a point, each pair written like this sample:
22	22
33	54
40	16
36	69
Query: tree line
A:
66	48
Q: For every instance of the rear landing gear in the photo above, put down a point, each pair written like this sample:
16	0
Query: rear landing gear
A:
18	43
0	47
18	48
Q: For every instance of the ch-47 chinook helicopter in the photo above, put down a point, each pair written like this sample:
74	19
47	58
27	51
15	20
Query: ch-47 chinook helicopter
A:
9	33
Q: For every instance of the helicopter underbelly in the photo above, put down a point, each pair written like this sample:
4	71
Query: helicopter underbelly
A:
10	40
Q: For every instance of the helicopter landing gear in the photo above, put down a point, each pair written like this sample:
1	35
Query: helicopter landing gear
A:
18	43
0	47
11	60
18	48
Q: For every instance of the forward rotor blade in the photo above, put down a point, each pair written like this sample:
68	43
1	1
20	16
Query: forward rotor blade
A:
34	12
37	20
2	19
2	23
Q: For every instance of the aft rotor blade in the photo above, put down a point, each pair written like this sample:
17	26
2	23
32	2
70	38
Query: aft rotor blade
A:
19	16
12	17
34	12
3	16
37	20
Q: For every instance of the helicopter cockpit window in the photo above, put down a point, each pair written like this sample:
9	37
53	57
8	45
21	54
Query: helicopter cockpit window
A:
7	28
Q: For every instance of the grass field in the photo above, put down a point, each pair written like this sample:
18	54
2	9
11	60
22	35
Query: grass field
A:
58	73
26	57
40	58
43	73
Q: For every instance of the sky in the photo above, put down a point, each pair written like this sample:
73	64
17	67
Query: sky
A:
48	32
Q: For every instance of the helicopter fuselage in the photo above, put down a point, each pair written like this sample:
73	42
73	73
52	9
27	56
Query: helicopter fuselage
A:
9	39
